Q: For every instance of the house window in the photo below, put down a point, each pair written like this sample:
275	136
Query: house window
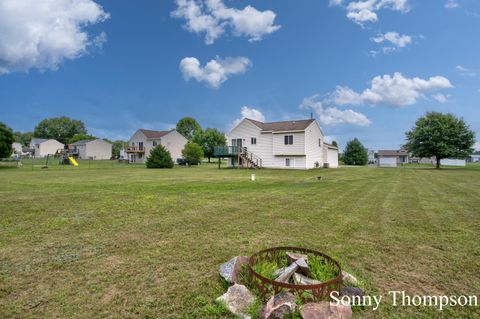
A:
287	162
320	142
253	140
288	139
140	146
154	143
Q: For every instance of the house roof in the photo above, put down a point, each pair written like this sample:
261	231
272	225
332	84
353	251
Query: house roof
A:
154	134
392	153
331	146
297	125
81	142
37	140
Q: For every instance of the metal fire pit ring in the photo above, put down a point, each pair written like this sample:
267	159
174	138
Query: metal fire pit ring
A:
318	292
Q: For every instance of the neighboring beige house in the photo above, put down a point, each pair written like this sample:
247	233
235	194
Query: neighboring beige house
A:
94	149
392	158
288	144
42	147
142	142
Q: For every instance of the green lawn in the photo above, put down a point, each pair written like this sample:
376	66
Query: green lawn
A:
113	240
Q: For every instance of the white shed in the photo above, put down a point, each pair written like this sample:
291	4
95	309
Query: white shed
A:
95	150
453	162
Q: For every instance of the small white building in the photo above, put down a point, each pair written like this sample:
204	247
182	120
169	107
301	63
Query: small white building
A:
17	148
143	141
42	147
287	144
94	149
453	162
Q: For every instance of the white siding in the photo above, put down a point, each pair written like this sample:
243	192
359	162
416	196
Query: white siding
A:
387	162
82	151
297	148
98	150
313	149
453	162
49	147
296	162
174	142
332	158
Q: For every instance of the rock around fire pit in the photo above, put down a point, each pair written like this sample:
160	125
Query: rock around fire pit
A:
309	274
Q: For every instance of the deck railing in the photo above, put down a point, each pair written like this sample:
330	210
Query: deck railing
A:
137	149
219	151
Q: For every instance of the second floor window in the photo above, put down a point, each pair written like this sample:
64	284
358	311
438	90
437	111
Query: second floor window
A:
154	143
288	139
320	142
140	145
253	140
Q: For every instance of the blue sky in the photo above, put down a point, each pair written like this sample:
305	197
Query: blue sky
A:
365	69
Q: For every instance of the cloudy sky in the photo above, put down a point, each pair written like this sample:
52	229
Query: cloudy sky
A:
364	69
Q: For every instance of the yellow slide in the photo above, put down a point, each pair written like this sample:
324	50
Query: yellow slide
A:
73	161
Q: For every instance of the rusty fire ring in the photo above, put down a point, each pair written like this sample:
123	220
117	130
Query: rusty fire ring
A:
319	291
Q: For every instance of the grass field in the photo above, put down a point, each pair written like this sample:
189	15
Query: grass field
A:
110	240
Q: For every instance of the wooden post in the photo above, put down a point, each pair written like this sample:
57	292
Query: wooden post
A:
219	162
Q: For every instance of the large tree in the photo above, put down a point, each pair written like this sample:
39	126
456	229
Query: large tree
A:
440	135
208	139
188	127
6	141
23	138
355	153
59	128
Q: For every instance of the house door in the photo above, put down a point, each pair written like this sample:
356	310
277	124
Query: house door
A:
133	158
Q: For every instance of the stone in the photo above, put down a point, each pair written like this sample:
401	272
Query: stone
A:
237	299
231	269
293	257
279	306
300	279
302	264
351	291
349	278
287	273
325	310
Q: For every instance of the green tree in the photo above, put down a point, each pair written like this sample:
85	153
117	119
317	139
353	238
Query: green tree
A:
117	147
334	143
208	139
355	153
188	127
440	135
193	153
59	128
81	137
6	141
23	138
159	158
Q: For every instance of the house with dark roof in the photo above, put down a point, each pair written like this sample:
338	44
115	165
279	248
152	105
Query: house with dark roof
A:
287	144
142	142
93	149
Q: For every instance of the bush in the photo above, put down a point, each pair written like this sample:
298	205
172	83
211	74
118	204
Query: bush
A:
159	158
193	153
355	153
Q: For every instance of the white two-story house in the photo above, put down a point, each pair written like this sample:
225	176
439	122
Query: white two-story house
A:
142	142
288	144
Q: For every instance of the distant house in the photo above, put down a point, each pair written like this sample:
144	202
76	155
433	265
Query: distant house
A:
474	158
142	142
94	149
42	147
392	158
289	144
17	148
371	157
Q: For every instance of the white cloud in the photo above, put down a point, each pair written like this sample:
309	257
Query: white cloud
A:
452	4
43	34
213	18
249	113
215	72
395	90
440	98
399	40
364	11
465	71
333	3
332	115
